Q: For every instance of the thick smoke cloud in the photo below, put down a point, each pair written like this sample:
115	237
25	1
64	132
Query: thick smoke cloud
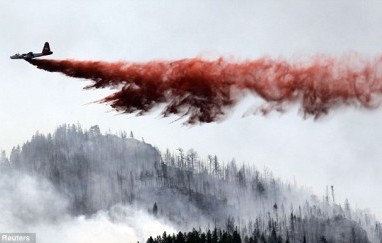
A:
205	91
33	205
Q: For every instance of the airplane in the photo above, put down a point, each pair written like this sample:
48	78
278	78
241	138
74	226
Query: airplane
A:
28	56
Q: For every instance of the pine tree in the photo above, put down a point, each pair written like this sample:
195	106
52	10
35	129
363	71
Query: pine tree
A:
155	209
180	238
150	240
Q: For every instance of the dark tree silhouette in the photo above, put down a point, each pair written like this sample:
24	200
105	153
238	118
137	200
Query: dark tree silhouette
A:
155	209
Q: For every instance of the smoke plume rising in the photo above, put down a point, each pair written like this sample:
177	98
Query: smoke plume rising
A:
32	204
205	90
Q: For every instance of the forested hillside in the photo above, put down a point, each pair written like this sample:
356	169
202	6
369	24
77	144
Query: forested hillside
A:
96	171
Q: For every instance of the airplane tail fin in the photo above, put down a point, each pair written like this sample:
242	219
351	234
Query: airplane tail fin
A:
46	49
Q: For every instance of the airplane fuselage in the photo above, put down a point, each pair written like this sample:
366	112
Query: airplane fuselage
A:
27	56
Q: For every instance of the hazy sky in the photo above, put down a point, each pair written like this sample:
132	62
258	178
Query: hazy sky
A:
342	149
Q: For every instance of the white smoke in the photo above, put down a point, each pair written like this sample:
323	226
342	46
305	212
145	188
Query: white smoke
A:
28	204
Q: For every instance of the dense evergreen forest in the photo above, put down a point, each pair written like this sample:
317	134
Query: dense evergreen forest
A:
96	171
194	236
226	236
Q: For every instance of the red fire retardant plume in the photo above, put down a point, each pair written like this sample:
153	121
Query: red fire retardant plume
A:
205	90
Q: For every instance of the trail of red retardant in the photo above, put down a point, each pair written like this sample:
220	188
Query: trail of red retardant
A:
205	90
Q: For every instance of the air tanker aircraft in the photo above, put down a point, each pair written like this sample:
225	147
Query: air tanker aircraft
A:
27	56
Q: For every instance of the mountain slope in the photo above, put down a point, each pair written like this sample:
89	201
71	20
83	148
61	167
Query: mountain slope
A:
95	171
